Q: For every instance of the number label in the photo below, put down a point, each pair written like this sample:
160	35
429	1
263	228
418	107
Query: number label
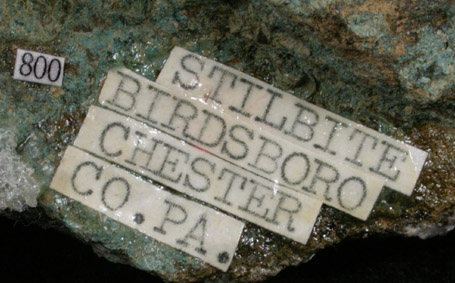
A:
38	68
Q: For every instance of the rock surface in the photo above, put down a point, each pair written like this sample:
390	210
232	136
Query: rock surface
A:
386	64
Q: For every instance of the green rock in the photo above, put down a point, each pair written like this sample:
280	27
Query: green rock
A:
388	65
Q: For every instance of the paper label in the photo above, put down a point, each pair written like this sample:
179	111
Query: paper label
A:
242	143
183	224
197	173
38	68
296	120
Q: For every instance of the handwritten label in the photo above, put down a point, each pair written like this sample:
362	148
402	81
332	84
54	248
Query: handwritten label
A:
185	225
296	120
197	173
242	143
38	68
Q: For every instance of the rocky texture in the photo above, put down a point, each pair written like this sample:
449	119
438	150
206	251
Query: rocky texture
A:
386	64
19	189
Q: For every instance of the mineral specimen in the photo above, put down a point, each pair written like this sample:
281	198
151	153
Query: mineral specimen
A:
387	64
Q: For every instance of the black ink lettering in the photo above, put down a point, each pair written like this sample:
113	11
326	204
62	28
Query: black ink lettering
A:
27	63
177	115
337	125
161	172
341	188
106	187
139	147
126	132
231	181
233	135
199	161
76	172
286	208
156	98
259	199
305	168
327	179
263	119
306	125
120	89
245	98
200	237
209	117
194	82
171	207
139	218
35	67
355	159
390	160
267	155
223	257
221	81
49	71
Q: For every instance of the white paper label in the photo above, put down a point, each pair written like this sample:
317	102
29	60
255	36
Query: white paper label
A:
242	143
197	173
296	120
183	224
38	68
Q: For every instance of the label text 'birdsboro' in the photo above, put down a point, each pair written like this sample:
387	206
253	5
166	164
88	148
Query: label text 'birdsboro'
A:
348	189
